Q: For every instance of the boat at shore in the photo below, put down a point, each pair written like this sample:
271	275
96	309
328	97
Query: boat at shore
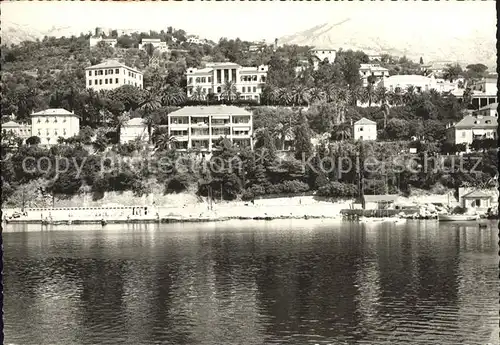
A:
457	217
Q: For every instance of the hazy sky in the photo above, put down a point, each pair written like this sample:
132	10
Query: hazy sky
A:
247	20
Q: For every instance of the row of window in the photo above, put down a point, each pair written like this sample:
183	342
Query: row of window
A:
204	121
244	78
55	120
110	71
47	132
110	81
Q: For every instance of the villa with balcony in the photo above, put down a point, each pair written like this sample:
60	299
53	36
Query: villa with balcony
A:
199	128
249	81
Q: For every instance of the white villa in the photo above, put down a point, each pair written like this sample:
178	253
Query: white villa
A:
365	129
472	127
374	70
51	124
111	75
21	130
199	128
134	129
249	81
155	42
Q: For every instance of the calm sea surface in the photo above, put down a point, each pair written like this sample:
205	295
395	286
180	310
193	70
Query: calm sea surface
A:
251	282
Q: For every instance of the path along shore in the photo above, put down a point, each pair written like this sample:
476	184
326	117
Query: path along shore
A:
291	208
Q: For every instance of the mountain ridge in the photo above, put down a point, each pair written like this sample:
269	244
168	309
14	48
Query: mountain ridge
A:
463	46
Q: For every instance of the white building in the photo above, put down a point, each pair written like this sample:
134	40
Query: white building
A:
20	130
199	128
472	127
484	92
194	40
249	81
109	41
134	129
111	75
365	129
400	83
51	124
156	43
372	70
324	53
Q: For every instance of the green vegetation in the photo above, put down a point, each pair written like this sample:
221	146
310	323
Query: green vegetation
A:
50	73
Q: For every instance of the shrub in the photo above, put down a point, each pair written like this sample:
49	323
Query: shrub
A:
338	189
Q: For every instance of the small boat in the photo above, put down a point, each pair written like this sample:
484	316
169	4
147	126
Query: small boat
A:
457	217
103	222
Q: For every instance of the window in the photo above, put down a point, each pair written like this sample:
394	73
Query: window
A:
95	73
64	119
254	89
55	119
360	129
90	82
39	120
106	81
106	72
361	137
100	72
111	80
478	203
47	120
55	131
116	80
100	81
190	81
117	71
463	134
209	79
243	89
90	73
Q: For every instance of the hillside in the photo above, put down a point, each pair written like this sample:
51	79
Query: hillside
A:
460	44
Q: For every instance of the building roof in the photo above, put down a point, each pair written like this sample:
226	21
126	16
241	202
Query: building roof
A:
112	64
477	194
408	79
55	111
10	124
210	110
475	122
381	198
490	106
365	121
323	48
136	121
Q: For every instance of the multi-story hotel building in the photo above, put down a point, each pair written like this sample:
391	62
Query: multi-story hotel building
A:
249	81
111	75
51	124
199	128
155	42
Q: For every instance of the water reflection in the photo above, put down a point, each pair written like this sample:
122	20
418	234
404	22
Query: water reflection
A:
252	283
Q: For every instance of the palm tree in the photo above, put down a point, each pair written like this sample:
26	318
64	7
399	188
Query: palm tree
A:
151	103
284	96
316	95
172	95
165	141
341	131
271	94
229	90
199	94
300	95
118	122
